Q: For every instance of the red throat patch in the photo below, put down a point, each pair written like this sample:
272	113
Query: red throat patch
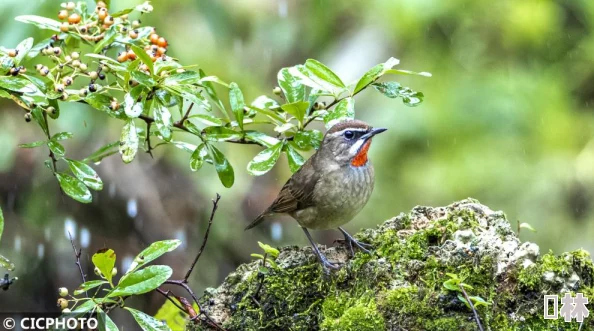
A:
361	158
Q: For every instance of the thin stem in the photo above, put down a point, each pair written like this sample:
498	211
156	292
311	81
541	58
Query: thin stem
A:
167	294
77	254
476	316
183	119
51	154
148	139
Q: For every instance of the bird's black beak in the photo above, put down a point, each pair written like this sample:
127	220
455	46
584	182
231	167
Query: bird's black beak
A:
372	133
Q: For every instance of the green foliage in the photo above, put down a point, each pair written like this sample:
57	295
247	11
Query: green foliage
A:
141	86
4	262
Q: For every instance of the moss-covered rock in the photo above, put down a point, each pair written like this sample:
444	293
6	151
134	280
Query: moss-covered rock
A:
401	286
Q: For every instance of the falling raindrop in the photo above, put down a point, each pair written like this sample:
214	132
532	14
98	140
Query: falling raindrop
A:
85	237
127	261
17	243
276	231
40	250
132	208
283	8
181	235
47	234
70	228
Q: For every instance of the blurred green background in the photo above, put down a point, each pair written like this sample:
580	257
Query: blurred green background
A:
507	119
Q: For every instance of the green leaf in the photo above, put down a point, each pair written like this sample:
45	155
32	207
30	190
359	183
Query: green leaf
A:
219	133
163	120
374	73
1	223
17	84
291	86
40	22
182	78
265	160
527	226
86	286
144	57
394	90
212	93
478	301
101	102
307	139
191	93
257	256
74	188
104	260
297	109
452	284
261	138
62	136
87	306
33	144
123	12
132	108
269	249
264	102
105	322
237	103
128	141
207	119
147	322
152	252
103	152
142	281
86	174
408	72
56	148
190	148
23	48
222	166
344	110
143	79
197	157
323	73
295	159
6	264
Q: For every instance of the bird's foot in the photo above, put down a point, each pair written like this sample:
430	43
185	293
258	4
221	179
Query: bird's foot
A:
352	241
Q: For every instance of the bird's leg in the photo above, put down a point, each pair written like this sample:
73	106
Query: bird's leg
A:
350	240
321	257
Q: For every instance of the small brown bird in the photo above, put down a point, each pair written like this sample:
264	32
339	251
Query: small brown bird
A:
332	186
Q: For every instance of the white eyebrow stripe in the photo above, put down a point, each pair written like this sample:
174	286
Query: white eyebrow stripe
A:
341	132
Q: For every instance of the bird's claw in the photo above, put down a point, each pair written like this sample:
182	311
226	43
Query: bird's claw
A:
350	241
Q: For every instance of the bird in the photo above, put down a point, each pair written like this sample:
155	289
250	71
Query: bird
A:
331	187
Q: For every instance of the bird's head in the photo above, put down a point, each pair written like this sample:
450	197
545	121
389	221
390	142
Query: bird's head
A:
348	142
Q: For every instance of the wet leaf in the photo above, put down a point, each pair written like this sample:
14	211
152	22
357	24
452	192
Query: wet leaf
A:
62	136
86	174
197	157
344	110
128	141
143	79
212	93
105	322
394	90
408	72
102	152
269	249
154	251
17	84
74	188
40	22
105	260
23	48
6	264
146	59
307	139
297	109
182	78
86	286
295	159
527	226
264	102
33	144
147	322
101	102
222	166
132	108
323	75
56	148
142	281
1	223
237	103
265	160
218	133
207	119
163	120
374	73
291	86
261	138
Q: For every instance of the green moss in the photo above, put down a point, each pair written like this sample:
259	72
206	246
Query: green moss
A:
347	313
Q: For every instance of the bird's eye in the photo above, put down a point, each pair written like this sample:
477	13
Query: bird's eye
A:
349	135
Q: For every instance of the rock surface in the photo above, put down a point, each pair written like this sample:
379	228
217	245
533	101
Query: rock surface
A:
409	283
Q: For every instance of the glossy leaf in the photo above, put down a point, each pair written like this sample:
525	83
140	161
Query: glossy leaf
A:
86	286
207	119
154	251
408	72
295	159
322	73
105	322
394	90
102	152
261	138
62	136
237	103
1	223
101	102
297	109
265	160
191	93
344	110
197	157
143	79
6	264
86	174
527	226
40	22
56	148
142	281
374	73
269	249
144	57
33	144
222	166
132	108
104	260
23	48
17	84
307	139
163	120
182	78
212	93
147	322
74	188
264	102
128	142
219	133
291	86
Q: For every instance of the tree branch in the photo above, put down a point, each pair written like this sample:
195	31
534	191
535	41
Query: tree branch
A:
476	316
77	254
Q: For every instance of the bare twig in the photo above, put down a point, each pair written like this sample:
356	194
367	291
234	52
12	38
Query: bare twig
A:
148	139
51	153
476	316
77	254
167	294
183	119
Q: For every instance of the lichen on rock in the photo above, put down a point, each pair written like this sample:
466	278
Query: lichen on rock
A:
401	286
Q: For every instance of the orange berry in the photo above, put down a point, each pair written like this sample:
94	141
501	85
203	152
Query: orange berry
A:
62	14
154	38
161	50
13	52
64	27
109	20
74	18
133	34
162	42
102	13
122	56
131	55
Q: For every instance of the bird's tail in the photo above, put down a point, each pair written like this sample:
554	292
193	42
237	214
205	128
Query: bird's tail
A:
257	221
